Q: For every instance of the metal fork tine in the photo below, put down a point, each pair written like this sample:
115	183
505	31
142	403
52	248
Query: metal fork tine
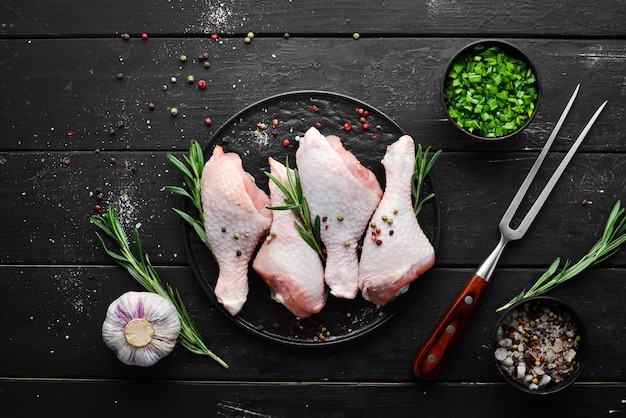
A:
530	216
514	205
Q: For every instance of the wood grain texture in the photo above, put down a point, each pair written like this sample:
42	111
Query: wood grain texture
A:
250	399
568	18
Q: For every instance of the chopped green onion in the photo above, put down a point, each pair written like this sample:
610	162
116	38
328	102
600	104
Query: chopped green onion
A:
490	93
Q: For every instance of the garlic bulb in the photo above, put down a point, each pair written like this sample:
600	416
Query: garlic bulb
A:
141	328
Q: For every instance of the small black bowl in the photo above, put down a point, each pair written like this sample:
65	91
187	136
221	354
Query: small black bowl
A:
474	48
543	343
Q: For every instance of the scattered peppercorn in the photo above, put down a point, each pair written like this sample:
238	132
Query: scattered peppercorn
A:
214	36
314	109
144	36
125	36
190	79
174	111
206	64
286	143
120	76
274	122
112	160
238	253
347	127
150	106
365	126
183	58
201	84
97	207
356	35
173	79
119	124
164	87
318	125
286	35
208	121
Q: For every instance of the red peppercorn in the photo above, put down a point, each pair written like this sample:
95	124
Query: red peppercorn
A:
347	127
286	142
214	36
201	84
275	122
67	161
112	160
318	125
366	113
365	126
97	207
314	109
144	36
360	110
208	121
70	133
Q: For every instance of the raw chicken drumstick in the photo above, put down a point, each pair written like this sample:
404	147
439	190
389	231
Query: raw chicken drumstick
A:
235	220
344	194
397	251
290	267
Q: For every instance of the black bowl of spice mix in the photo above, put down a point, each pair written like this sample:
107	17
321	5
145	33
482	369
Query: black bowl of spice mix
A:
490	90
540	345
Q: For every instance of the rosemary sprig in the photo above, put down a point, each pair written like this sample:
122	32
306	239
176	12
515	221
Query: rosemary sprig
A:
612	238
192	174
141	270
297	203
422	167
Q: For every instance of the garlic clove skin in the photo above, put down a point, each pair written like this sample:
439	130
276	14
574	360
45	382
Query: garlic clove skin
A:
141	328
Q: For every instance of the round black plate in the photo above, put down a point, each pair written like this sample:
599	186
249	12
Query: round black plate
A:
340	320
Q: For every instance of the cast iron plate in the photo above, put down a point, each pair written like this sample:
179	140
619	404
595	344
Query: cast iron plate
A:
341	320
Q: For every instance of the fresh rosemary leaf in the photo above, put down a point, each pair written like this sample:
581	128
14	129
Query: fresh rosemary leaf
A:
423	165
297	203
192	175
613	236
141	269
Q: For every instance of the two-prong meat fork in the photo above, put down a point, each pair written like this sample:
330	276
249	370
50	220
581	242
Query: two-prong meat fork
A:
440	342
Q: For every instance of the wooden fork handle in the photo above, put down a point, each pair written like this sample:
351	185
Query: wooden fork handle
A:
440	342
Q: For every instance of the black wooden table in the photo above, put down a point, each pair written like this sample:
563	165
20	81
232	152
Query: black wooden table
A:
74	94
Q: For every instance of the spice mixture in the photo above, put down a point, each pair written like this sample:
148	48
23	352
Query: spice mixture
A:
537	345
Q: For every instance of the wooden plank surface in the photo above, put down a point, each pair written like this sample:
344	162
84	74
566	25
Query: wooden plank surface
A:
568	18
55	330
57	86
251	399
